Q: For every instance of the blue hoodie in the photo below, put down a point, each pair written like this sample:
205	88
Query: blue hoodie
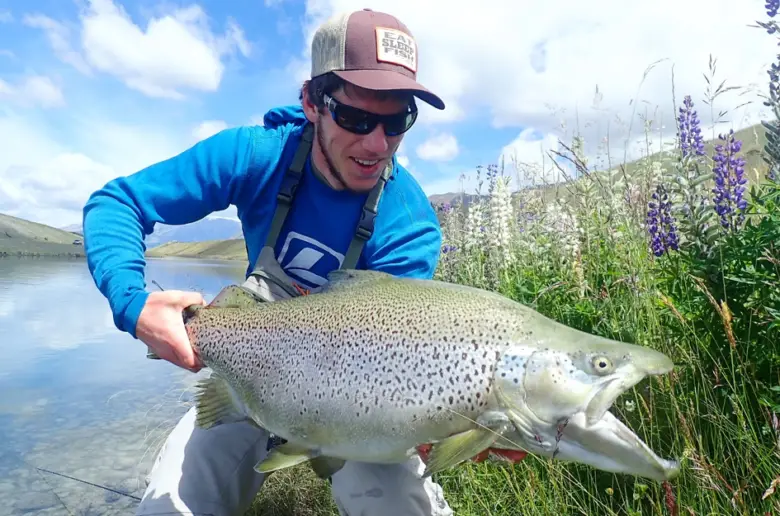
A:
244	167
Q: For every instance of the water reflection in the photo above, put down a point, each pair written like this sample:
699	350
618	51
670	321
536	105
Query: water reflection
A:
79	398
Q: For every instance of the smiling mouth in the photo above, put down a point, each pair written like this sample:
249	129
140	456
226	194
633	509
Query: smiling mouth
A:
366	162
367	167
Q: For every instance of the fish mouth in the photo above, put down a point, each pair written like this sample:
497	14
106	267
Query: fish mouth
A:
605	397
597	437
591	435
610	445
606	444
611	390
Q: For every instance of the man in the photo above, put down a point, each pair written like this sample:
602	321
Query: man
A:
307	203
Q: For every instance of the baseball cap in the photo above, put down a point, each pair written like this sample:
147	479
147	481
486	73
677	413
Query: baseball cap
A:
372	50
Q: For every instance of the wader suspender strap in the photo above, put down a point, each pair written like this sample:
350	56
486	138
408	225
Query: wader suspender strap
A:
286	195
290	185
365	227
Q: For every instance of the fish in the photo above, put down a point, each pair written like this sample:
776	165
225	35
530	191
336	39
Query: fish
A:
372	367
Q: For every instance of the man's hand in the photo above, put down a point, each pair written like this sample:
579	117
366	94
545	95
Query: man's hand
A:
161	327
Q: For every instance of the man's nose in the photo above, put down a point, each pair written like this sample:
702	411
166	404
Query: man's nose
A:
376	141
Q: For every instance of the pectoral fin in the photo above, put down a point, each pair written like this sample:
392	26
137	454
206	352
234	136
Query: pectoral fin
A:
465	445
456	449
214	404
285	456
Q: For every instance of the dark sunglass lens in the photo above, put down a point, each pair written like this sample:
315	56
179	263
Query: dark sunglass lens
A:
399	124
355	120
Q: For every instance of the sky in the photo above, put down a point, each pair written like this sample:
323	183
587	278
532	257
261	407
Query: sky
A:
95	89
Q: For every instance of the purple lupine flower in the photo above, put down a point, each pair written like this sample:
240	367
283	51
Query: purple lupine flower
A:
661	224
730	182
772	7
447	248
691	139
774	82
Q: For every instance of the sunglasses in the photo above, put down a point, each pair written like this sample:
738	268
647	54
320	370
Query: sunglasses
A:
358	121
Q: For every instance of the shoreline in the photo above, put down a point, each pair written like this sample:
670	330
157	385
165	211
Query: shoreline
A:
81	255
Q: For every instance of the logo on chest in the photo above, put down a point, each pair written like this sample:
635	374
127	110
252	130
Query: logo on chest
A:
308	260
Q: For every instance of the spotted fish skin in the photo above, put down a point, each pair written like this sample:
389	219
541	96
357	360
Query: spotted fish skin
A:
364	369
371	366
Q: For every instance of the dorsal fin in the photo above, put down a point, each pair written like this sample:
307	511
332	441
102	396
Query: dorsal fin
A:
351	278
234	296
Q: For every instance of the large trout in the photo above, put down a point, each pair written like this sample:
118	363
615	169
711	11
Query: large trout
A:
372	366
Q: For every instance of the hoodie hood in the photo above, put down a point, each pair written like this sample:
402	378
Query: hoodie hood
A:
284	115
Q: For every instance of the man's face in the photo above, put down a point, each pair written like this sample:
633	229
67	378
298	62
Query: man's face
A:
349	160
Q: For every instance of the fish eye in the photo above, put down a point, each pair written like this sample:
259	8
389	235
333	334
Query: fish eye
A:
601	364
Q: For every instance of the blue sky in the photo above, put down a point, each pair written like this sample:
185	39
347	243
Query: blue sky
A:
92	89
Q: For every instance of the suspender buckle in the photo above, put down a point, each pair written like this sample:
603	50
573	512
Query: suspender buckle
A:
366	225
288	187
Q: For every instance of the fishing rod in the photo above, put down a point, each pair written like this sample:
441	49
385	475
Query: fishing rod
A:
88	483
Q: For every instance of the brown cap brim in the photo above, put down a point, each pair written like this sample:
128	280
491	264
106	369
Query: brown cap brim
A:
387	80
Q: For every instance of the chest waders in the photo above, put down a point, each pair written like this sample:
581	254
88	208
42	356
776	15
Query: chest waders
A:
267	281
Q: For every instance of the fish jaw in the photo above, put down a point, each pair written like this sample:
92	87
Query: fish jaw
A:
609	445
558	397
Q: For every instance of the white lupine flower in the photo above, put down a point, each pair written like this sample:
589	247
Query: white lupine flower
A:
474	226
562	228
500	220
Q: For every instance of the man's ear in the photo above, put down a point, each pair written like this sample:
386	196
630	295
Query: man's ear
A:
308	107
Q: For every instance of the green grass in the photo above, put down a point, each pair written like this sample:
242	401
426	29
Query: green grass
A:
580	253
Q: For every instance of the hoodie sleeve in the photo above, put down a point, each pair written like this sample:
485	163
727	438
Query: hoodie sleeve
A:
185	188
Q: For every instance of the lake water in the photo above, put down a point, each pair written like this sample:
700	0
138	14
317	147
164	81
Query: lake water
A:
80	403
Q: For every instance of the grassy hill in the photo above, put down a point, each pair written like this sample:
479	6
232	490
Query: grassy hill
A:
233	249
19	237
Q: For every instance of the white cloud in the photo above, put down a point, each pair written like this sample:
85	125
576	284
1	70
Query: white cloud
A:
537	64
33	90
55	189
464	180
257	119
46	180
42	180
174	52
400	154
442	147
528	158
59	36
208	128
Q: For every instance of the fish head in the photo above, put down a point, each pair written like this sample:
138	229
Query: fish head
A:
557	385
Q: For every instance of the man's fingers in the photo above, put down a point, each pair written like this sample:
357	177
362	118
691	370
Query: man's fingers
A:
190	298
186	358
185	353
